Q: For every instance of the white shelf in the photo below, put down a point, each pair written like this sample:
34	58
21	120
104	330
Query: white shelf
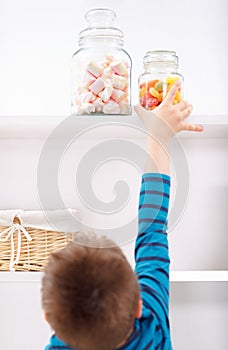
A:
199	276
40	127
175	276
19	276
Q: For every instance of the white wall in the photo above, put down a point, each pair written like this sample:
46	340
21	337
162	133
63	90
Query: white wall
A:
37	39
198	313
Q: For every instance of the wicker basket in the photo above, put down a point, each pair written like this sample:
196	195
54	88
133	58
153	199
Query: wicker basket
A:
27	249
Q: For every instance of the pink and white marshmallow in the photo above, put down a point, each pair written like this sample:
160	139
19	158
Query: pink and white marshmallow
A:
118	95
87	97
119	82
99	104
111	108
86	108
107	73
106	93
88	79
95	68
125	108
119	67
97	86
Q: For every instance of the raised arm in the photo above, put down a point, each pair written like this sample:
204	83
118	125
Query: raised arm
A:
151	251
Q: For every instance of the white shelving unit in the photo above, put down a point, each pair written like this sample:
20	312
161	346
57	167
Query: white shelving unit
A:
198	243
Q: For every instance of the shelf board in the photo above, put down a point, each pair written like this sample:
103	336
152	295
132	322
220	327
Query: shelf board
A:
175	276
199	276
99	126
20	276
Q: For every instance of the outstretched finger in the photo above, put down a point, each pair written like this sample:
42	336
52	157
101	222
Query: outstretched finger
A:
192	127
139	109
141	112
183	105
186	112
172	92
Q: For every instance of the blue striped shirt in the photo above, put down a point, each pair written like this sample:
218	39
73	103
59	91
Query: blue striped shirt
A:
151	331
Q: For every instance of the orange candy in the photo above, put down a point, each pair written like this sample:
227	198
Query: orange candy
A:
160	97
147	85
142	85
142	91
151	84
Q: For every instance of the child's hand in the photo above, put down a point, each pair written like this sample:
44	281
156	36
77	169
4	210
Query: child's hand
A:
167	119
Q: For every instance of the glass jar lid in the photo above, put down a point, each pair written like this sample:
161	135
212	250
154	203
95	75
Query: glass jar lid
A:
100	25
160	56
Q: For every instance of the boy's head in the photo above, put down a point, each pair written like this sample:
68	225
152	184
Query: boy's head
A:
90	294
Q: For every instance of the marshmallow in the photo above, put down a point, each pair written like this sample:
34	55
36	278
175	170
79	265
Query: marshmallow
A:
125	100
80	90
119	67
95	68
86	108
106	93
119	82
109	58
87	97
98	105
97	86
111	108
107	73
124	108
117	95
88	79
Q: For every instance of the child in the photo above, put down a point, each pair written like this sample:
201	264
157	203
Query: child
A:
91	297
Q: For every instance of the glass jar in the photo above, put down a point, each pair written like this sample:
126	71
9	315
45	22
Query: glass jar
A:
101	68
161	71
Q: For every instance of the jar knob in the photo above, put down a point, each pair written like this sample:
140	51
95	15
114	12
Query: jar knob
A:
101	17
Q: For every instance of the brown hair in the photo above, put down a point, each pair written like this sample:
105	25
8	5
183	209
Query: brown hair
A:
90	294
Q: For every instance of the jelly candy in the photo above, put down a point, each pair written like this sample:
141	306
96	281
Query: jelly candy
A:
152	102
143	101
171	79
142	91
178	96
154	92
142	85
159	86
151	84
160	97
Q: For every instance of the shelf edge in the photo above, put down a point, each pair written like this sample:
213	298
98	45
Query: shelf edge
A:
40	127
199	276
175	276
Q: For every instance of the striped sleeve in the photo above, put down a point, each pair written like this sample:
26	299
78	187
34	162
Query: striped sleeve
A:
151	250
56	343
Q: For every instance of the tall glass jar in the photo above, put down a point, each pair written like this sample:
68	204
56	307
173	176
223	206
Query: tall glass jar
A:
101	68
160	72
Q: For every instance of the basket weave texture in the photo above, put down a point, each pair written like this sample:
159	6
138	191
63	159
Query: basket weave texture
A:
33	252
